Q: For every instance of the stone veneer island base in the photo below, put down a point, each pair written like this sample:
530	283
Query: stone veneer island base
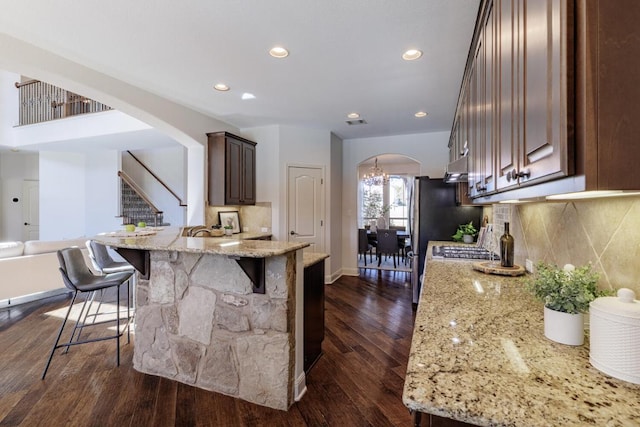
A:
199	322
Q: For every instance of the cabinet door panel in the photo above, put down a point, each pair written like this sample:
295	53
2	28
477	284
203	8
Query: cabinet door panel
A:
545	91
488	182
475	134
249	177
234	172
507	139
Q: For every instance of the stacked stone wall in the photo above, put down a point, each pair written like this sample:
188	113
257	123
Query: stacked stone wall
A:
199	322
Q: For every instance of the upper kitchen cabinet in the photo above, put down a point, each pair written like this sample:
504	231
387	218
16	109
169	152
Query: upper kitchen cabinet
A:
550	98
608	93
232	169
482	110
545	149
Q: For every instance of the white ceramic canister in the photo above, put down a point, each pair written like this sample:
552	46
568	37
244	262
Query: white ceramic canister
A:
614	325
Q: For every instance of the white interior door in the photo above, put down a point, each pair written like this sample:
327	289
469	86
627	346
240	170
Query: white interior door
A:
305	207
30	210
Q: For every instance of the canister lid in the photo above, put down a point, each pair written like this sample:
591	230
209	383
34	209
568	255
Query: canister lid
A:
624	304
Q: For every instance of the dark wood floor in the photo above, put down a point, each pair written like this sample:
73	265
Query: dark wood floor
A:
357	382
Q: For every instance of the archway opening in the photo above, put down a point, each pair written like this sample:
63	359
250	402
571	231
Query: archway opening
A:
384	203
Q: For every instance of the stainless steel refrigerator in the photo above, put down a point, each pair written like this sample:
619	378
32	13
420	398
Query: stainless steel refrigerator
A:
434	215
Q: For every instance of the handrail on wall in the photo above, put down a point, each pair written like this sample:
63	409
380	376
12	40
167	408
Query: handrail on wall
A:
26	83
180	202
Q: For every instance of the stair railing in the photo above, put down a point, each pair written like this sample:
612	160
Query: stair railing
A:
140	192
40	102
180	202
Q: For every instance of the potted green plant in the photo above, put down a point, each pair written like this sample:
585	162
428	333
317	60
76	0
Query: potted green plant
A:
228	230
566	294
465	233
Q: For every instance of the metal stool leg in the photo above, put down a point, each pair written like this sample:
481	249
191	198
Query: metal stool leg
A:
55	344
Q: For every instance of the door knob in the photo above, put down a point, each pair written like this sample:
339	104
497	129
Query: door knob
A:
26	223
293	233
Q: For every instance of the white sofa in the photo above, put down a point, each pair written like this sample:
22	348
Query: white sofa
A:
29	270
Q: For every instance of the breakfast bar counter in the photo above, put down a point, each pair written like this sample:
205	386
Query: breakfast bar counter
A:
219	313
479	355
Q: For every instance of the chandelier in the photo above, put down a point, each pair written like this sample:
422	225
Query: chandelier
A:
376	176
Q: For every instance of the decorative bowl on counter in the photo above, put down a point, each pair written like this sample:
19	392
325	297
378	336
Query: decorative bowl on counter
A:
615	335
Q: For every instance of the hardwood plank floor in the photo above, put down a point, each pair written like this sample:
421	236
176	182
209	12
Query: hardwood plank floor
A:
357	382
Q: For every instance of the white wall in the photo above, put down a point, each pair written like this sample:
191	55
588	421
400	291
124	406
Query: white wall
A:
8	106
429	149
79	194
304	147
268	188
14	169
102	125
282	146
333	265
62	195
102	192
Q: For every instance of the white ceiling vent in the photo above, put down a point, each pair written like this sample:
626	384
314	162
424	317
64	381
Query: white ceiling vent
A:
355	122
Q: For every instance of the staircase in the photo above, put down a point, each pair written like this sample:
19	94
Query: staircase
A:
134	208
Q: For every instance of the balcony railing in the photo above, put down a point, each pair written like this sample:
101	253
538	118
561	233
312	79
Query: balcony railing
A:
41	102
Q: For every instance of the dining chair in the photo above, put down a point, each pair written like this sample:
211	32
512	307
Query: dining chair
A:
387	245
365	245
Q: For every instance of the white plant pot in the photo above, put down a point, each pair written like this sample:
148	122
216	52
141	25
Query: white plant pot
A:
564	328
467	238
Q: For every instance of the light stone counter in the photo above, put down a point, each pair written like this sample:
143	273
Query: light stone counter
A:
479	355
170	239
199	322
311	258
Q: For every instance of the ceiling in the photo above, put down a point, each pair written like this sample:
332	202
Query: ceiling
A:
345	56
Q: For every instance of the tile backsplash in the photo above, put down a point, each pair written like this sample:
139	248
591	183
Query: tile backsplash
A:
252	218
604	232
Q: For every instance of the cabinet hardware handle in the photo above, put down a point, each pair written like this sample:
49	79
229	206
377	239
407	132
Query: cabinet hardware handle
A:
524	174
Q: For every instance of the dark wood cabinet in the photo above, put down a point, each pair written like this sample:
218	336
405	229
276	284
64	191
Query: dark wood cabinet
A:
508	108
313	313
481	88
608	93
232	169
549	93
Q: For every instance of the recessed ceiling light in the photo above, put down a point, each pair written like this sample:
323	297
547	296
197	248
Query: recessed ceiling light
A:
221	87
353	115
279	52
248	95
411	54
420	114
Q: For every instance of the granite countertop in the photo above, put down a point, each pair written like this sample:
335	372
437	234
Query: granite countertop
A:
171	239
479	355
311	258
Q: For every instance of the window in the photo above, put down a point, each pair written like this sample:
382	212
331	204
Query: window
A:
398	214
389	200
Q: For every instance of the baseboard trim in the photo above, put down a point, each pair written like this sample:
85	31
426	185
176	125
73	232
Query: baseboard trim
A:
351	271
300	386
6	303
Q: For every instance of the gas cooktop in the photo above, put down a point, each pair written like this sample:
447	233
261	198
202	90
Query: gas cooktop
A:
466	252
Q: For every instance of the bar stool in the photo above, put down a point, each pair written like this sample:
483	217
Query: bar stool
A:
103	263
78	278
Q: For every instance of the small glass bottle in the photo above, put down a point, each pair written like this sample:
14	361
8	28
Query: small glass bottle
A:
506	247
